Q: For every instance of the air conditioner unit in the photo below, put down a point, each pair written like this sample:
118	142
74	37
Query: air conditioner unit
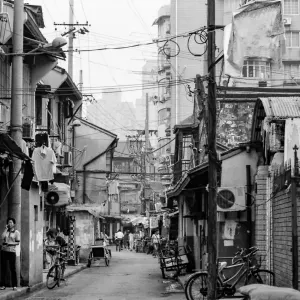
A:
287	21
231	199
68	158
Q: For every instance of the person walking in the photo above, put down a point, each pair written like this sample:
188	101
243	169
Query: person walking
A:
10	238
131	241
126	240
156	242
119	238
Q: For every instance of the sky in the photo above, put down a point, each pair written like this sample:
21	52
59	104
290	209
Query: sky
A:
113	23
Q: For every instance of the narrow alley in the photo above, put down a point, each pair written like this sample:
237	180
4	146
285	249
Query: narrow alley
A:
130	275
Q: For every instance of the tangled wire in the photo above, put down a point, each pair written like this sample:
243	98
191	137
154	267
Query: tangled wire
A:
199	36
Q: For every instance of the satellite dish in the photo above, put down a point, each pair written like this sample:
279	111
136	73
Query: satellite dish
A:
52	198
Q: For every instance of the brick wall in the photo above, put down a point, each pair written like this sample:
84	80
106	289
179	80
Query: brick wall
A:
282	238
260	210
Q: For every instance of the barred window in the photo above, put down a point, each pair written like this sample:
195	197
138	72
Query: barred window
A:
291	7
256	69
292	39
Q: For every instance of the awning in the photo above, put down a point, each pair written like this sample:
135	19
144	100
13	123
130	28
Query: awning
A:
9	146
185	179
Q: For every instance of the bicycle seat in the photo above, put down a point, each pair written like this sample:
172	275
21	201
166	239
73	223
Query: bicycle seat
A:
222	265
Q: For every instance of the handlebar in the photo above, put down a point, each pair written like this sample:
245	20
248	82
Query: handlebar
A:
241	254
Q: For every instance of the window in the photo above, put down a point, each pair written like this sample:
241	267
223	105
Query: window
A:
256	68
292	39
291	7
292	71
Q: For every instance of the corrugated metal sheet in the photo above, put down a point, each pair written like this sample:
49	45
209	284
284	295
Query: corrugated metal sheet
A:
282	107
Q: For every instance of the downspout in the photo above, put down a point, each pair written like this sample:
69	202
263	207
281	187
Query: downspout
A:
115	144
249	207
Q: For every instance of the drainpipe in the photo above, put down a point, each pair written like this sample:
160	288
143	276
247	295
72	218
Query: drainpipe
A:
249	201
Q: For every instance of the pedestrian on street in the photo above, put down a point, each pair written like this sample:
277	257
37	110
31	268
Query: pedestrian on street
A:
10	238
156	242
119	237
126	240
131	240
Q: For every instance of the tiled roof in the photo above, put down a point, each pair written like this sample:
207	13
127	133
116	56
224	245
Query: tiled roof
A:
282	107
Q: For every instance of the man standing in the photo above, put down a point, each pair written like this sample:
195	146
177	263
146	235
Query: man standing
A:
156	242
131	240
10	238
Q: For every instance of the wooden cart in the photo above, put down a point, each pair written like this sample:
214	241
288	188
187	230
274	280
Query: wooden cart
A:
97	253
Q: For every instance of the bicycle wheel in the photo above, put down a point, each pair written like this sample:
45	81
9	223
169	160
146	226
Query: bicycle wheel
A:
197	287
262	277
53	277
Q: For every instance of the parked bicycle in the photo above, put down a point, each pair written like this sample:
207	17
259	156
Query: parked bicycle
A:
57	270
246	272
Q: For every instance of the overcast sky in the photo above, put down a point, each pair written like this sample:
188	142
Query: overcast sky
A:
113	22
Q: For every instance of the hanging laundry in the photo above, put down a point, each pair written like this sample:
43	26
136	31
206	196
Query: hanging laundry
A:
27	176
41	139
257	30
24	147
44	161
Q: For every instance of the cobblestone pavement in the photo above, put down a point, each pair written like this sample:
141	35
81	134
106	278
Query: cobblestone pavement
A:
130	276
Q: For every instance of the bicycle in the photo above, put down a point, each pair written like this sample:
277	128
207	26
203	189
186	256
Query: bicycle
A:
118	245
57	270
196	286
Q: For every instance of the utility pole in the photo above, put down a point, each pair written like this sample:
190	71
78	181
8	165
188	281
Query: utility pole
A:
212	156
70	53
147	147
14	205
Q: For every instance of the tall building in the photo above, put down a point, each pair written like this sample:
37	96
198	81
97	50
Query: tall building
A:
163	97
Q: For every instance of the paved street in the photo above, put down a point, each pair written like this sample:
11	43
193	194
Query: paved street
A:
130	276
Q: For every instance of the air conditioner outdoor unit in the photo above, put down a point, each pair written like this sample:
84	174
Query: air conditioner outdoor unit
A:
68	158
287	21
231	199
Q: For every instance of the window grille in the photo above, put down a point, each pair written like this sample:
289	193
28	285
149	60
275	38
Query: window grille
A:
291	7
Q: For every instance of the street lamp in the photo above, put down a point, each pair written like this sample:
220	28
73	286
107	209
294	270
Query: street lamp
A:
76	123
